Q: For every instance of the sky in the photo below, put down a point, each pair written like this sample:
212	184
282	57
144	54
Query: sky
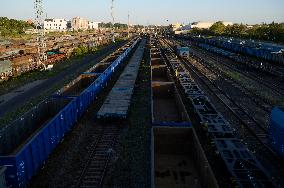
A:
152	11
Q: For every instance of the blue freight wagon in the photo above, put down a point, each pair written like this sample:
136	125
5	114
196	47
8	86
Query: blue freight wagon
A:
276	130
27	143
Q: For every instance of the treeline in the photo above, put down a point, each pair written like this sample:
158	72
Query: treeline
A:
270	32
12	27
82	50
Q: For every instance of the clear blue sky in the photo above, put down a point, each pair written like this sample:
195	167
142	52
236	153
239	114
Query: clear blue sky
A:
153	11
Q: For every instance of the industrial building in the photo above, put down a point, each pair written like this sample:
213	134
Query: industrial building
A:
79	24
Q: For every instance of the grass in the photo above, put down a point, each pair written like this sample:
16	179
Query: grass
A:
254	87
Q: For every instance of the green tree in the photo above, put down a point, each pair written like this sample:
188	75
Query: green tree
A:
12	27
77	52
218	28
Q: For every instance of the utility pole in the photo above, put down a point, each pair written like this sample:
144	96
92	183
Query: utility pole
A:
39	24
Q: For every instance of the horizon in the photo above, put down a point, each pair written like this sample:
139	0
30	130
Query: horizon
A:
253	12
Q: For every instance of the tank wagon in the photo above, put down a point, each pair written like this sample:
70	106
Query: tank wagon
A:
28	141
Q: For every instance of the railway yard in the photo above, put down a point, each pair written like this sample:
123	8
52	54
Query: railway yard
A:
140	114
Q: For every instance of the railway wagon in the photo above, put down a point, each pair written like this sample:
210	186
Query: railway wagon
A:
276	130
270	52
29	140
2	177
178	159
182	51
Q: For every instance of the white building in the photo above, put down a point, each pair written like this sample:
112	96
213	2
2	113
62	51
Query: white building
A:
176	26
183	30
93	25
55	25
206	25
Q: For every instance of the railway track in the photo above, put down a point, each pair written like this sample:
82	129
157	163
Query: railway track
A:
101	151
249	102
276	70
270	84
255	135
258	100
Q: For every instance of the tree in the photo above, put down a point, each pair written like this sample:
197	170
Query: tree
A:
77	52
12	27
218	28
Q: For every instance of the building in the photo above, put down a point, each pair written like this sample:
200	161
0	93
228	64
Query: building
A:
175	27
55	25
79	24
206	25
183	30
93	25
202	25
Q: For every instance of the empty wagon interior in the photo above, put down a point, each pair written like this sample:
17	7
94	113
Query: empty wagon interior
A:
160	74
155	55
20	131
100	68
166	106
157	61
82	83
111	58
174	163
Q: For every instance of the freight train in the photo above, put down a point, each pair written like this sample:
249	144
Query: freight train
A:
27	142
245	169
267	51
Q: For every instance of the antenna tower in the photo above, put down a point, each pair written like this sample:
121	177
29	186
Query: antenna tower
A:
39	24
112	15
128	25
